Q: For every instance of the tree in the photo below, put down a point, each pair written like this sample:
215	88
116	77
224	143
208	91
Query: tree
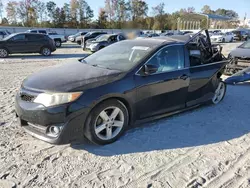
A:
190	10
73	11
159	15
27	12
66	8
138	9
60	17
1	9
41	10
206	9
5	21
11	10
85	13
102	18
51	8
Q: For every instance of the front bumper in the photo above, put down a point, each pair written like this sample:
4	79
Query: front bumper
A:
37	120
216	39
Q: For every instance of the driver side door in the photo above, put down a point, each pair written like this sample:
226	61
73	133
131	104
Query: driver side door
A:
165	90
17	44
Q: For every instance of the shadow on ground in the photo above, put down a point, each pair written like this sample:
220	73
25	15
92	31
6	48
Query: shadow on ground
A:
53	56
202	126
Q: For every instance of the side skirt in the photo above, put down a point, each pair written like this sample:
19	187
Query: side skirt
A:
138	122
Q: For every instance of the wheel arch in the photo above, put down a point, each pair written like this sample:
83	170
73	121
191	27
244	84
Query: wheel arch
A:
123	100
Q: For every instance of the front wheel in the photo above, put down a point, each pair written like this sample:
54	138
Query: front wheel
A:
46	51
220	93
107	122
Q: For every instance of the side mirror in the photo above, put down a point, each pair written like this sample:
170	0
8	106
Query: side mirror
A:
149	69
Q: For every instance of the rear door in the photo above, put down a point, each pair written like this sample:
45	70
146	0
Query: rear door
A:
203	78
166	90
18	44
34	42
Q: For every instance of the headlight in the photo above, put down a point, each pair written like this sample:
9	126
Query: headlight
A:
52	99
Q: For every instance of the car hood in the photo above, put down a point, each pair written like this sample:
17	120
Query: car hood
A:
72	76
98	42
240	52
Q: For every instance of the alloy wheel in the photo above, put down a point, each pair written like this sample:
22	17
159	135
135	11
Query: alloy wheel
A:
109	123
219	93
3	53
46	51
58	43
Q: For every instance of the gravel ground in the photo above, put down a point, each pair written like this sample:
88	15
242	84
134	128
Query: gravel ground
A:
205	147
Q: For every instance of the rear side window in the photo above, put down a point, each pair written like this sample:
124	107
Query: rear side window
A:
2	33
35	37
33	31
42	31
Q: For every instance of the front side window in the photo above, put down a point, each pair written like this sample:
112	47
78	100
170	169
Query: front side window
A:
33	31
18	38
170	58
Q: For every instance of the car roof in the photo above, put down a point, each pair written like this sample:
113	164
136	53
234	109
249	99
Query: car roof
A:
158	41
28	33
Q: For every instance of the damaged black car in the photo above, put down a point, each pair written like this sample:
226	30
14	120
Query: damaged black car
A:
102	95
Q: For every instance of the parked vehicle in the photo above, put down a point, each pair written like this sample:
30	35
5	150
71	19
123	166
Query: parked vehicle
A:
90	35
167	34
103	41
152	35
240	59
222	37
187	32
72	38
26	43
101	95
4	33
241	34
59	39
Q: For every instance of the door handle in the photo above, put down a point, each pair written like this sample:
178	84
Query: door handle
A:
184	77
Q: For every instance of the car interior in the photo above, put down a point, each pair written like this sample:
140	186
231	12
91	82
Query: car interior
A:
201	51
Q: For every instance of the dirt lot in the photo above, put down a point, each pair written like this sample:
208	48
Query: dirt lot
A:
205	147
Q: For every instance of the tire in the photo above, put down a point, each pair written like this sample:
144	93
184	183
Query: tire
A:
46	51
3	53
223	40
58	43
232	39
78	42
220	93
106	129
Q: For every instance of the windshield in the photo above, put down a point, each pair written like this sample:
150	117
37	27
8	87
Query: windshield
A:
102	38
245	45
120	56
9	36
88	34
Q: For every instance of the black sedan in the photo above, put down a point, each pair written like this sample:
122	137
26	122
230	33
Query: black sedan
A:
102	41
100	96
26	43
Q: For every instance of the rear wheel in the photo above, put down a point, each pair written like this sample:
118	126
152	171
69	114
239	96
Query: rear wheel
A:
3	53
58	43
232	39
106	122
46	51
223	40
219	93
